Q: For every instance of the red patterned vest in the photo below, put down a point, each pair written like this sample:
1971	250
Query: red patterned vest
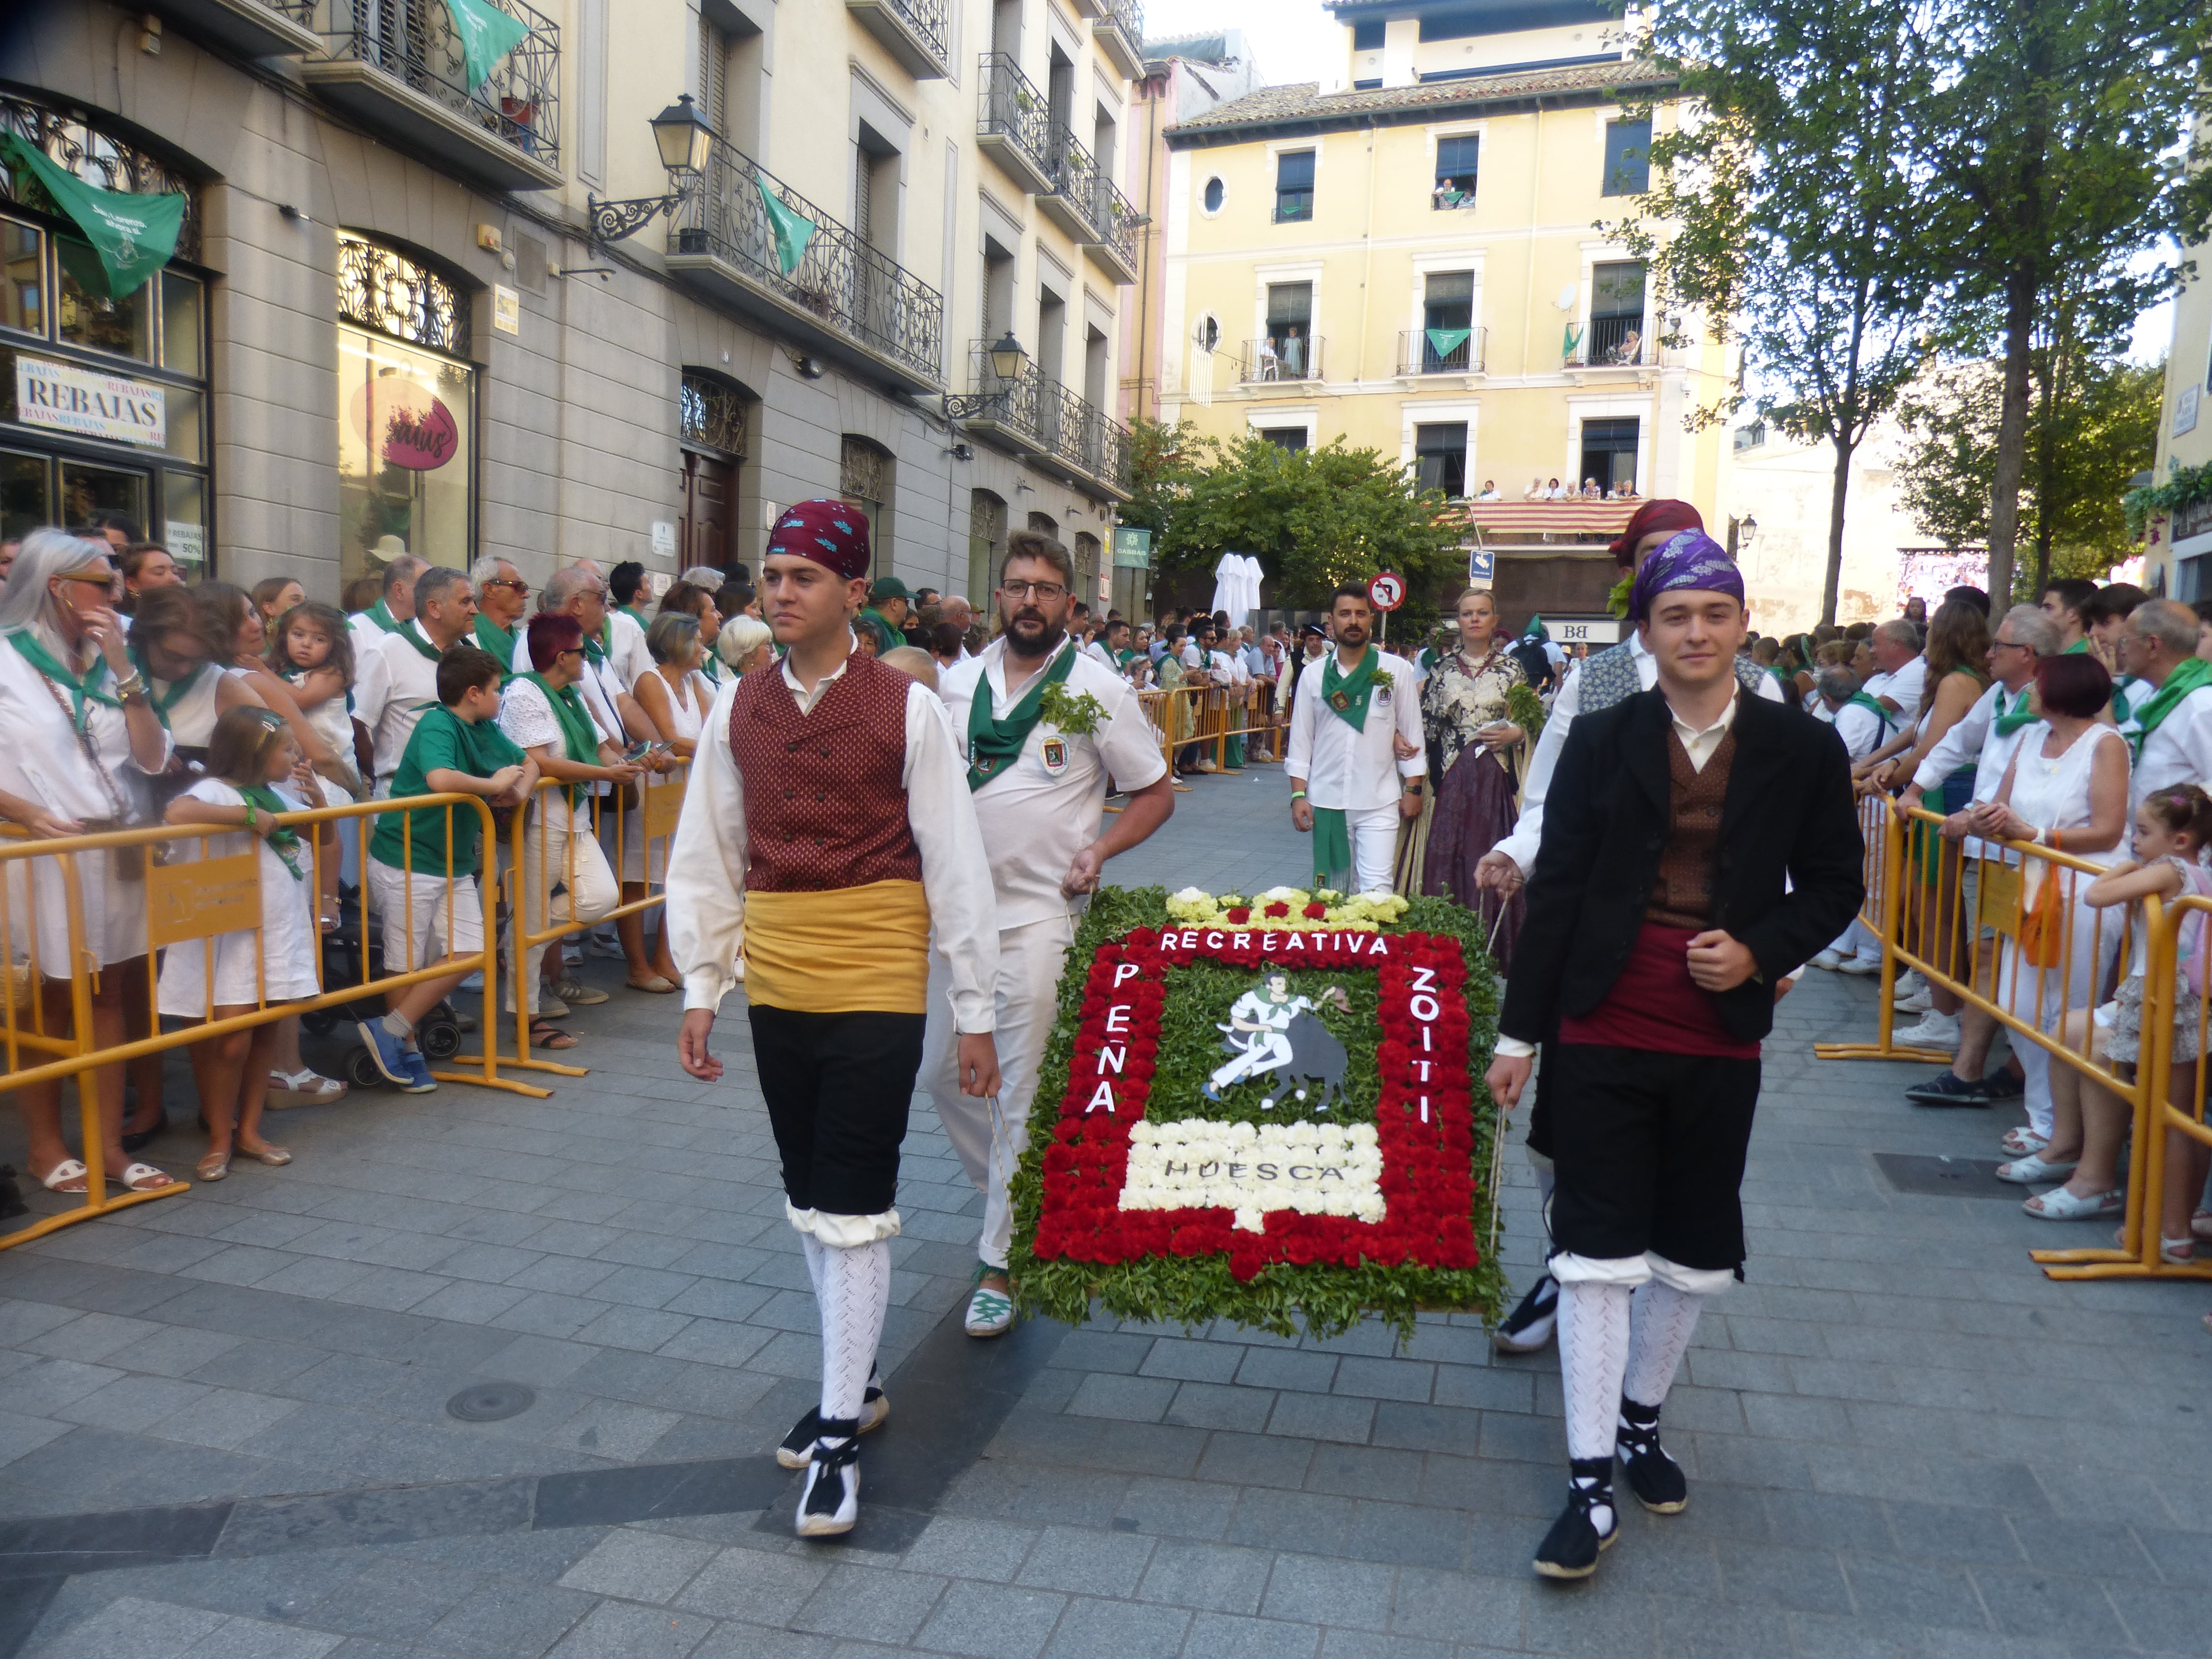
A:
825	791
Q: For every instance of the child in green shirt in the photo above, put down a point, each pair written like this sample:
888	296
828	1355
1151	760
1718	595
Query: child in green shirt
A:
425	890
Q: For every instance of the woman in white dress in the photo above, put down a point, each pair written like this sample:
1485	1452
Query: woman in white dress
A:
250	754
84	747
674	696
2067	787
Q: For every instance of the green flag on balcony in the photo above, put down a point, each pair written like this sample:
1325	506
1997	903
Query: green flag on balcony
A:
132	235
1445	341
791	232
488	34
1574	338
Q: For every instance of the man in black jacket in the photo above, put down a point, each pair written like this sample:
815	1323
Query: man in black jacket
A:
1699	845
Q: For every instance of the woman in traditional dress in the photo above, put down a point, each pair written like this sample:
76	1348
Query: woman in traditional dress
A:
1474	796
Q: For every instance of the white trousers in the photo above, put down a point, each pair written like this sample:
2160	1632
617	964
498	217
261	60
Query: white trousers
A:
557	852
1374	834
1032	958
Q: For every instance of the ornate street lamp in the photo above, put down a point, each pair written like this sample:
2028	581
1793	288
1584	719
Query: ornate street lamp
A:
1007	361
685	141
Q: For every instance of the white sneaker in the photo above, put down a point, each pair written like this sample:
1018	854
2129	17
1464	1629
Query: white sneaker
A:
1830	960
1910	983
1916	1002
1860	965
1935	1030
609	947
990	1313
830	1503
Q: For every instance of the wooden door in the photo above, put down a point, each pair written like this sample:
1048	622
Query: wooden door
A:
710	510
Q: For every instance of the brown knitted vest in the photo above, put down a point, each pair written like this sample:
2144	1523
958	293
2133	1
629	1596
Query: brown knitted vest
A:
825	791
1682	894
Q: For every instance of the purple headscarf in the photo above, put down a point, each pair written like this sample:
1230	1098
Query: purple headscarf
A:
1689	558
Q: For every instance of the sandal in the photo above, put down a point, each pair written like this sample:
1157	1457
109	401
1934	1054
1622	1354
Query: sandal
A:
543	1036
2034	1169
58	1179
2059	1205
143	1178
657	986
2200	1224
214	1167
302	1088
275	1156
2022	1142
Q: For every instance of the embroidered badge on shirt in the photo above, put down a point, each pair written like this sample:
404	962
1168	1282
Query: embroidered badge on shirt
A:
1339	702
1054	756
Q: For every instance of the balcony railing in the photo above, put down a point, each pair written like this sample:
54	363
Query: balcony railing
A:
414	42
1113	217
1119	28
1015	123
1440	351
915	32
1615	342
1282	357
859	293
1043	416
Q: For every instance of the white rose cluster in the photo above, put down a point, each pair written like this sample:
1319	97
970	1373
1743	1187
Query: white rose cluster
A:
1305	1168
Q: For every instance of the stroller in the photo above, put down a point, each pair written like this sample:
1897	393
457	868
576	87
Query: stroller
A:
438	1035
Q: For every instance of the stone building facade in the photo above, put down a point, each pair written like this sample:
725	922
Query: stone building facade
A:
389	321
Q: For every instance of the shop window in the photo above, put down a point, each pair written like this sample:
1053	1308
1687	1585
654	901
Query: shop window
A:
25	503
22	276
865	478
406	412
89	318
183	339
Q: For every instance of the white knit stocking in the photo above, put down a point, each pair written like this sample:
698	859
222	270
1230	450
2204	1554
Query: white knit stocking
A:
1660	1326
854	1290
1593	1358
813	1248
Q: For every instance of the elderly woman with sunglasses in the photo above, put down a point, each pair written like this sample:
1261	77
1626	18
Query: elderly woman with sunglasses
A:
83	742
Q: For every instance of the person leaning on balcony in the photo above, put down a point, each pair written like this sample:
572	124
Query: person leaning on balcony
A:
84	745
1490	491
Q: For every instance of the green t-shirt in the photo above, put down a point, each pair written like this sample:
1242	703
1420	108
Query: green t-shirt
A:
441	740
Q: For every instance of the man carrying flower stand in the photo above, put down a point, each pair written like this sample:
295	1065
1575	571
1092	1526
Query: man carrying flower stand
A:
1701	844
1357	756
828	820
1042	725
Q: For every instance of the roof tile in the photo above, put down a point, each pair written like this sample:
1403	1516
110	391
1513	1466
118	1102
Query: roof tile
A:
1306	102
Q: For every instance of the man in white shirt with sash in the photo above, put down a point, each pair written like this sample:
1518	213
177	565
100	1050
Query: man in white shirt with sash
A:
1355	711
442	611
1042	725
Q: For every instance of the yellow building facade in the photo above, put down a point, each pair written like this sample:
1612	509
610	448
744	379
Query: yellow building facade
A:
1415	266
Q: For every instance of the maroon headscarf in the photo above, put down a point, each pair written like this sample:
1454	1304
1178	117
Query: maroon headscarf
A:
1650	518
831	533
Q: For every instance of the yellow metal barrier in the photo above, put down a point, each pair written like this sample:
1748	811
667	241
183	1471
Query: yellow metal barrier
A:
1882	859
1185	715
185	901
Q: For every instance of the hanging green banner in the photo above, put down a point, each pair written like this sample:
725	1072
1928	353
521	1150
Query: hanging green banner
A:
1445	341
1573	338
791	232
488	34
132	235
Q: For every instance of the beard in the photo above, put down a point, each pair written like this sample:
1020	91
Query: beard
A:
1029	634
1352	635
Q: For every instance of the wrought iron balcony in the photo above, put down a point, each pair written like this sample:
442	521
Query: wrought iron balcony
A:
1045	421
1613	343
838	294
1112	243
915	32
399	66
1440	351
1281	356
1119	30
251	29
1014	125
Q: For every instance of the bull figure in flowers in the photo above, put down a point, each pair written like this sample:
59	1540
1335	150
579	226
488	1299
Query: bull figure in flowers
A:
1274	1034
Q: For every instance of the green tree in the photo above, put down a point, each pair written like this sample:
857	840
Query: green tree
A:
2056	161
2093	425
1313	518
1786	211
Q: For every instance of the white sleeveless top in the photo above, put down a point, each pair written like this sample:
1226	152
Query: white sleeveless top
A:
191	717
2053	793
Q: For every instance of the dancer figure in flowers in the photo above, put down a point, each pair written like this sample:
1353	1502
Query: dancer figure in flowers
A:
1042	725
1264	1015
828	824
1702	843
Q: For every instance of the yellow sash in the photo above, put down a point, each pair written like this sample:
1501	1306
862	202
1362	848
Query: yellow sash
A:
846	949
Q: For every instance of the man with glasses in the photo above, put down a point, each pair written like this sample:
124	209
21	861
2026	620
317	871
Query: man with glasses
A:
441	610
501	593
1039	787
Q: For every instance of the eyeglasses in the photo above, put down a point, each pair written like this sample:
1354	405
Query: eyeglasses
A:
514	582
106	579
2010	645
1049	591
573	650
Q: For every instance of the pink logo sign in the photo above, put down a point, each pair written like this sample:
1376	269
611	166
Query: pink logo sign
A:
407	423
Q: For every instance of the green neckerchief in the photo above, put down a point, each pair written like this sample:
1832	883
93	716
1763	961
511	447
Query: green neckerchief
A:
411	631
1783	674
1332	834
1887	716
993	743
607	635
632	612
79	687
577	732
2078	647
595	650
710	668
2010	721
380	614
2120	702
167	701
2188	675
1348	694
500	642
284	843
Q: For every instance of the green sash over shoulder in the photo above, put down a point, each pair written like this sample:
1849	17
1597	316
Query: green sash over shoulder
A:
577	735
995	744
1349	694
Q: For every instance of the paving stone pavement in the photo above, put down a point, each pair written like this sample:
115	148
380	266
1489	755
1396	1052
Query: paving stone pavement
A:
1902	1439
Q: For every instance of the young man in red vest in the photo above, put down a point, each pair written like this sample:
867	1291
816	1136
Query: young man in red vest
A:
1701	844
828	823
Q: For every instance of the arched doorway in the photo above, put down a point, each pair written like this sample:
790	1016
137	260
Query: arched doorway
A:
713	432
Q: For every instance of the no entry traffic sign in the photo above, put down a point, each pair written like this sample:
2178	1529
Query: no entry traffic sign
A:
1388	591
